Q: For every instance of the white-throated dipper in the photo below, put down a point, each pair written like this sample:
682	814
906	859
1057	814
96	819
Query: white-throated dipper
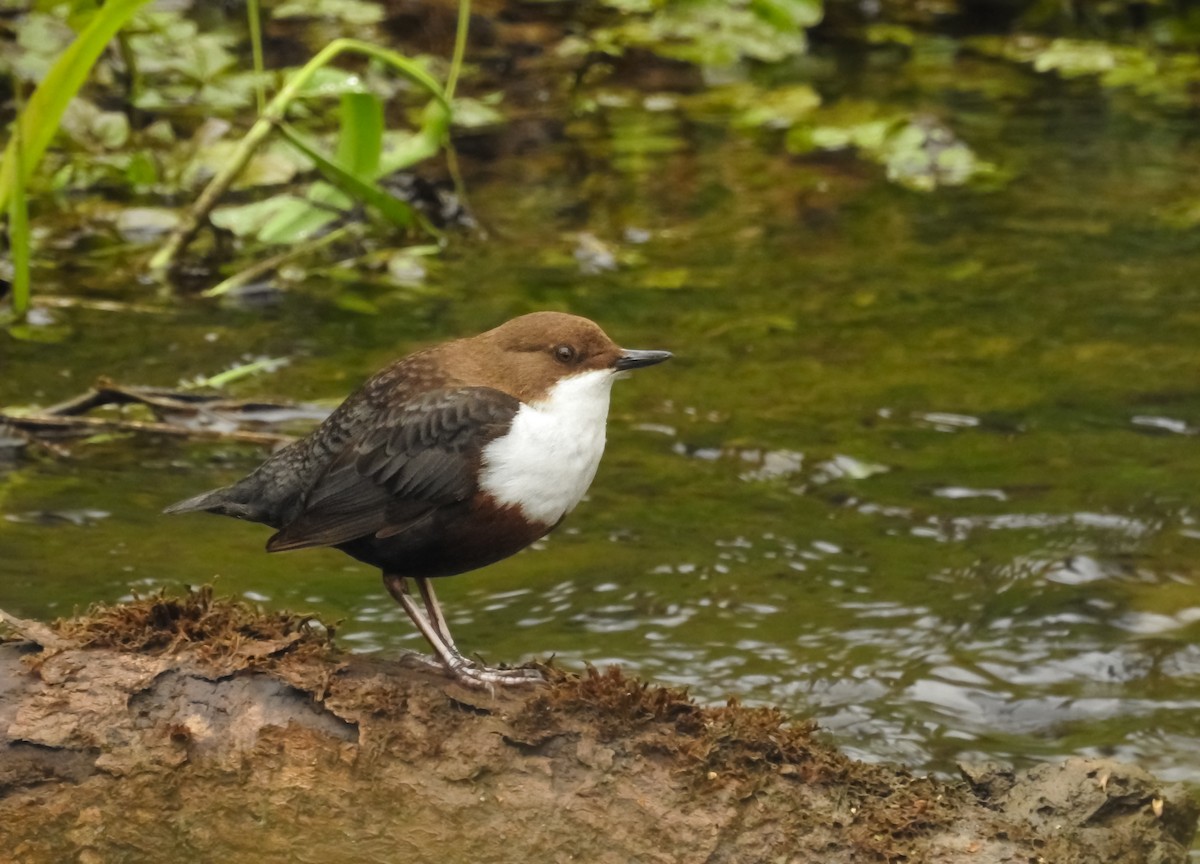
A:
448	460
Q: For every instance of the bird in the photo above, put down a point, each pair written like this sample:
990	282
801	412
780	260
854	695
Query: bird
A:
447	460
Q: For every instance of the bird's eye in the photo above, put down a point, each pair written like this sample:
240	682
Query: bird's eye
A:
564	353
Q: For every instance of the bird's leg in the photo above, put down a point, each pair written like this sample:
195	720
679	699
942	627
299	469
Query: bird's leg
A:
437	633
434	610
397	586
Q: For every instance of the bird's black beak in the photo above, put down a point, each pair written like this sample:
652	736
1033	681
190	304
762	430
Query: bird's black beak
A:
631	359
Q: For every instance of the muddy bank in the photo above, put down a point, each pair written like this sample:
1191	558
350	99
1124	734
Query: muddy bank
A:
201	728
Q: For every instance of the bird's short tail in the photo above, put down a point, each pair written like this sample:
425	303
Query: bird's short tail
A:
213	501
240	501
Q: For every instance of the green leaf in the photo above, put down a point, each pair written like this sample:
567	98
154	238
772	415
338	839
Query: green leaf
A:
789	14
40	38
779	109
47	332
94	128
297	223
1072	58
421	145
357	12
283	219
361	139
717	32
352	302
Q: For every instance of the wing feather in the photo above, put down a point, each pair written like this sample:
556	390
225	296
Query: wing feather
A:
398	471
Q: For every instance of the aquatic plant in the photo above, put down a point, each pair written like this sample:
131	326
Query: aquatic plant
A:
351	175
711	32
169	63
38	121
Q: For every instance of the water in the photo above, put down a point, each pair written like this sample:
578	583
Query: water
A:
924	466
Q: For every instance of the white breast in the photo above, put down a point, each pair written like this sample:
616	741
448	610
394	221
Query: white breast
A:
547	460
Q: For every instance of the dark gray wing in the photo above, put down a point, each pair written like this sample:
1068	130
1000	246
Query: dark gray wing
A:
417	457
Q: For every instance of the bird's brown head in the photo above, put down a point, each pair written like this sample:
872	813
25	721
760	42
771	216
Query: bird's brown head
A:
528	355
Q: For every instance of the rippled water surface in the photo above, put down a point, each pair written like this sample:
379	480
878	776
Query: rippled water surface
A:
925	466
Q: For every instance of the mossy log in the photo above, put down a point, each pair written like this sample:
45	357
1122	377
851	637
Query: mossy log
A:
203	730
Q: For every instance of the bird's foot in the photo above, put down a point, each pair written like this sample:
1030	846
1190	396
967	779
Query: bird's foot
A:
478	675
473	674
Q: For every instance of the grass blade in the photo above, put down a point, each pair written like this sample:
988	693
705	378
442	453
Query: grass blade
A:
254	17
460	46
19	240
361	138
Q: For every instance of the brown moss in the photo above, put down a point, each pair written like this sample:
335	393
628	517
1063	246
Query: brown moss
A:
890	825
617	702
215	627
732	742
745	749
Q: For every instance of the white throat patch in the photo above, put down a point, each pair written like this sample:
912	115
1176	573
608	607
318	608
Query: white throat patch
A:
547	460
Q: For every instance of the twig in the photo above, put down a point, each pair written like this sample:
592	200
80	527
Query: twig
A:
34	631
43	424
65	419
158	399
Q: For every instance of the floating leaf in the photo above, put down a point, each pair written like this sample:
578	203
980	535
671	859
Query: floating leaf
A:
41	38
407	266
141	170
717	32
271	165
477	113
280	219
1072	58
352	302
786	14
46	334
90	126
408	149
896	34
145	224
779	109
919	151
183	61
666	278
924	154
357	12
1170	78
